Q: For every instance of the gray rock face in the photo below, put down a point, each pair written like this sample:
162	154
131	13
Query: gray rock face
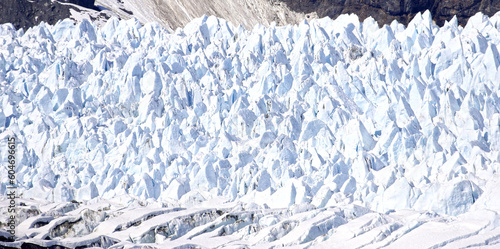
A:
385	11
25	14
84	3
174	14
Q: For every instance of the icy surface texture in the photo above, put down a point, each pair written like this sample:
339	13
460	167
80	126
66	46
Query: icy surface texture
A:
328	112
127	223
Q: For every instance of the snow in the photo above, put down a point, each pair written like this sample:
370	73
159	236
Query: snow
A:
330	131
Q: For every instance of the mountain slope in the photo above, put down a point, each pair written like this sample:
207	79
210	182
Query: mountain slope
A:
177	13
173	14
384	11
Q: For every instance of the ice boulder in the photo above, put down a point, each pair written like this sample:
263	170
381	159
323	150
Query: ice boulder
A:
399	195
206	177
151	83
454	198
356	138
87	192
175	190
63	192
284	196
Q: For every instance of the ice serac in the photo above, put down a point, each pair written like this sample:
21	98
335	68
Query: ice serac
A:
356	138
88	192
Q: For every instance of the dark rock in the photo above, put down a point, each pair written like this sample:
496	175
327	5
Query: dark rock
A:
385	11
90	4
25	14
35	246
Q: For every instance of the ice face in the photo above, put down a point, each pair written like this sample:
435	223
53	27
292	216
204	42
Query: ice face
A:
325	112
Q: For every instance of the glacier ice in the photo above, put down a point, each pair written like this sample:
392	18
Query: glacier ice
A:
325	112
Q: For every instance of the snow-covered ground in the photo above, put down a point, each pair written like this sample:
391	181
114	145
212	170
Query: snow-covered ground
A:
332	133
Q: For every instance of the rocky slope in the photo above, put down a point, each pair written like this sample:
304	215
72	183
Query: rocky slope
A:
25	14
385	11
177	13
173	14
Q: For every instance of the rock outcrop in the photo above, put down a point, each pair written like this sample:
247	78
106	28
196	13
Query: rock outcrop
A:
173	14
25	14
385	11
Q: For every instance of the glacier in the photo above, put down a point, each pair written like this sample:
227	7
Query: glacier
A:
323	132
